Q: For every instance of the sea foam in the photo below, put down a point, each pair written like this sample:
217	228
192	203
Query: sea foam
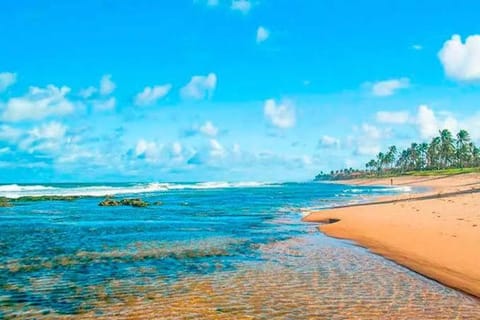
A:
15	191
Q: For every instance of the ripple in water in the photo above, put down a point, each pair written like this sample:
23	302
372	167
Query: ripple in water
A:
236	260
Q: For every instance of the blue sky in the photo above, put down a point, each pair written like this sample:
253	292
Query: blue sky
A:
199	90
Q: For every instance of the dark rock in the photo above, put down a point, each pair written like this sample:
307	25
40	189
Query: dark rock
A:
157	203
4	202
47	198
134	202
108	202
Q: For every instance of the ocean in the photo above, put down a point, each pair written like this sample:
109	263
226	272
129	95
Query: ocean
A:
215	250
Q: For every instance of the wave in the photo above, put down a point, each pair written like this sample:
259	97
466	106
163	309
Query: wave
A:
396	189
403	189
16	191
19	188
354	196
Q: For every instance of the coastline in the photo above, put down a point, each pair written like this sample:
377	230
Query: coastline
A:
435	233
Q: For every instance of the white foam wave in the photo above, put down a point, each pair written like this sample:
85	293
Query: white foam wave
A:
16	191
396	189
402	189
19	188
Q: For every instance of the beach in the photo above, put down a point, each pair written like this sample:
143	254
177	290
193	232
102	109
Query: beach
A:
435	232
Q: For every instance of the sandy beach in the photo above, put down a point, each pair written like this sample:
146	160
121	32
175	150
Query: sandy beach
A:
435	233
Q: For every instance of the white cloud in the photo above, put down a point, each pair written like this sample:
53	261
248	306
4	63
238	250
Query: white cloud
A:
417	47
393	117
461	61
51	130
367	139
236	148
87	92
371	132
281	115
200	87
429	123
147	149
216	149
6	80
107	86
103	105
177	149
389	87
150	95
47	137
9	134
209	129
177	155
307	160
367	149
262	34
76	153
39	103
329	142
243	6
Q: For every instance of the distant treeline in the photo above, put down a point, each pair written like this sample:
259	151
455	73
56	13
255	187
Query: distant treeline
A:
445	152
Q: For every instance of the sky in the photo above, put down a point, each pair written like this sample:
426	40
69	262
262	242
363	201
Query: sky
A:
228	90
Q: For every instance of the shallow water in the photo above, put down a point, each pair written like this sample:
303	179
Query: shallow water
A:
210	251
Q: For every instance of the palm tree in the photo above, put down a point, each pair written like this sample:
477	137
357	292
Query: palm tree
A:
475	156
464	150
371	165
444	151
422	150
433	153
390	156
380	161
402	161
413	156
447	148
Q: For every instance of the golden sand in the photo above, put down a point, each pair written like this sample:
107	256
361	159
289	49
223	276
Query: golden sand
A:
436	233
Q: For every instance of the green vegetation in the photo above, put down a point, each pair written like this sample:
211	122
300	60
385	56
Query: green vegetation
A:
444	172
444	155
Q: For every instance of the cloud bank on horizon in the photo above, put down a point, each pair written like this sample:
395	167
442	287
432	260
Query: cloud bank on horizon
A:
246	90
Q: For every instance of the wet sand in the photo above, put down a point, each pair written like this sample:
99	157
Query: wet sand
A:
435	233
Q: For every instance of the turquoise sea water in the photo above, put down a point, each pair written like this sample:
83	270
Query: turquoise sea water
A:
211	250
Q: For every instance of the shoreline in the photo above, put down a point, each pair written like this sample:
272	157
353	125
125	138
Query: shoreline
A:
435	233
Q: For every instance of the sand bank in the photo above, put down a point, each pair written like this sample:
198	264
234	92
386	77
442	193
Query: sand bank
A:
436	233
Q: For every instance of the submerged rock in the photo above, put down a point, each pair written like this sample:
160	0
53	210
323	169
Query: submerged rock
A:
134	202
48	198
108	202
157	203
4	202
8	202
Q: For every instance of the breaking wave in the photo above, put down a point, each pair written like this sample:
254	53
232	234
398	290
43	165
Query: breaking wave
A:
16	191
403	189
